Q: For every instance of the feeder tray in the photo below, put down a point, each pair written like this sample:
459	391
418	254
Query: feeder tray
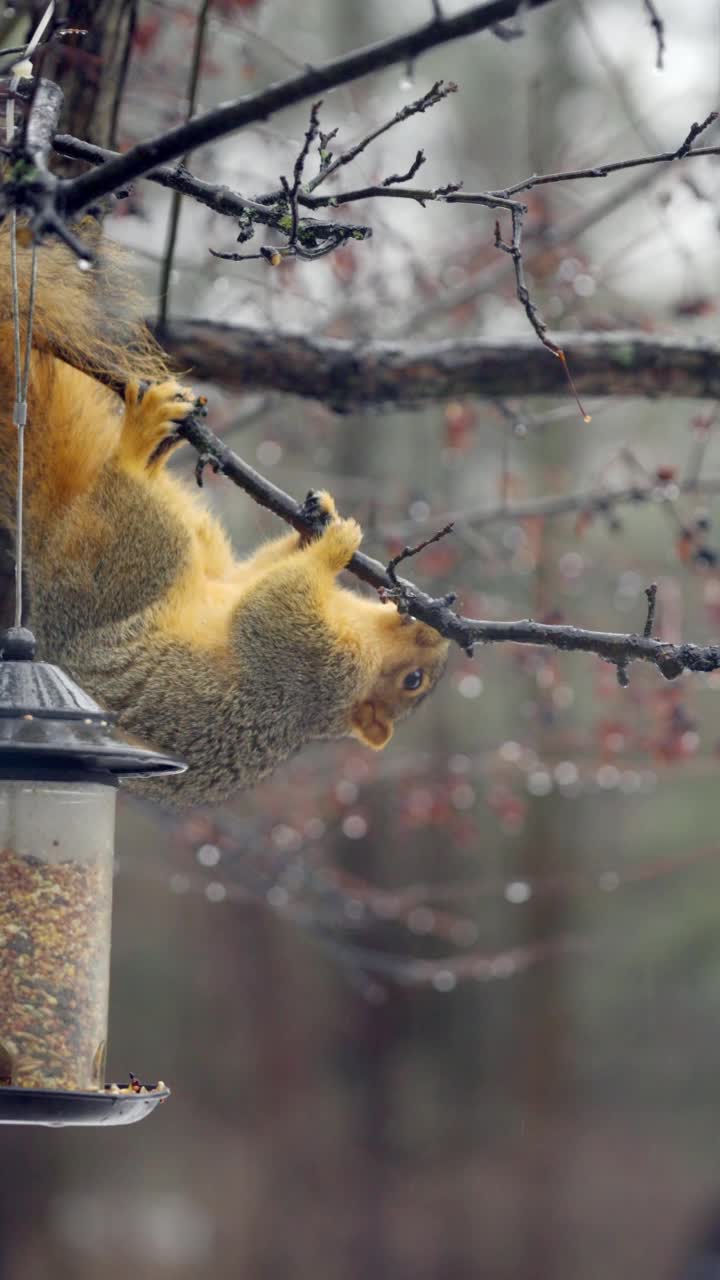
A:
59	1107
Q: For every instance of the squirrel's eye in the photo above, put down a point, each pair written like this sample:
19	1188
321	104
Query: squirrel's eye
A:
414	680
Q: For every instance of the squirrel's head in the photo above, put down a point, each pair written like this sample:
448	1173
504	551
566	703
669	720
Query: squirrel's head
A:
415	658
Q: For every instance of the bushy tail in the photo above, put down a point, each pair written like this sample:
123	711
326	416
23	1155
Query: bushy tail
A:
90	318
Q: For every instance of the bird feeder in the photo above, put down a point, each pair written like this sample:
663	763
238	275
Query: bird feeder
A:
60	762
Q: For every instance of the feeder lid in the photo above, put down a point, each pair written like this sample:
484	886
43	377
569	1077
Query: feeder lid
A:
47	722
61	1107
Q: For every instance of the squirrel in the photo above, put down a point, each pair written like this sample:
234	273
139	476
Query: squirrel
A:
231	664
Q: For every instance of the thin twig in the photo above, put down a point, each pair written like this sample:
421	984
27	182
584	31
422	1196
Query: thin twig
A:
407	552
523	293
651	595
540	235
174	222
658	27
417	163
603	170
434	95
502	198
694	132
272	254
449	194
121	80
213	195
292	192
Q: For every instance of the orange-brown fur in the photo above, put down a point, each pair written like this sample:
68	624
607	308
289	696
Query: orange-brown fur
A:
232	664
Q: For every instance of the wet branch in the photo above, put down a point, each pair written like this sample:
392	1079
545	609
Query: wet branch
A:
345	374
251	108
617	648
658	27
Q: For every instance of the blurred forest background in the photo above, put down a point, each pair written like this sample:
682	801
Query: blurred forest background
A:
450	1011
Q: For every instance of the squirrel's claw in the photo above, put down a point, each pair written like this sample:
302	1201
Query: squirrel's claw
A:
149	430
318	508
319	511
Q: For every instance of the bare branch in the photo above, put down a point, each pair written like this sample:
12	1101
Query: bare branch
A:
310	239
291	192
176	178
222	200
603	170
434	95
82	191
651	594
620	649
658	27
417	163
694	132
412	374
322	236
174	221
449	194
408	552
539	235
514	249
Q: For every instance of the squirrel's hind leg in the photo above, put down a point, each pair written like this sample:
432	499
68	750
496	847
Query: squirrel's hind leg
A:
335	545
334	540
148	435
319	507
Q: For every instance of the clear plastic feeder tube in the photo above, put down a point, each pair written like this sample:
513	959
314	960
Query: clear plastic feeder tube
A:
56	868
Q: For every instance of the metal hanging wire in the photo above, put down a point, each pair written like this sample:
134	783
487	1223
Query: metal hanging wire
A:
22	378
22	360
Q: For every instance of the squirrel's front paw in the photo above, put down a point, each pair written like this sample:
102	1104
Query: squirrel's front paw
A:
149	429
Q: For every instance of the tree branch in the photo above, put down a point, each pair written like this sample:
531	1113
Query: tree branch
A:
222	200
620	649
658	27
683	152
308	239
82	191
412	374
174	219
176	178
215	196
330	163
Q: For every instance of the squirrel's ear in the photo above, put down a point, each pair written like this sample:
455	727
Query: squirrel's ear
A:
371	724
